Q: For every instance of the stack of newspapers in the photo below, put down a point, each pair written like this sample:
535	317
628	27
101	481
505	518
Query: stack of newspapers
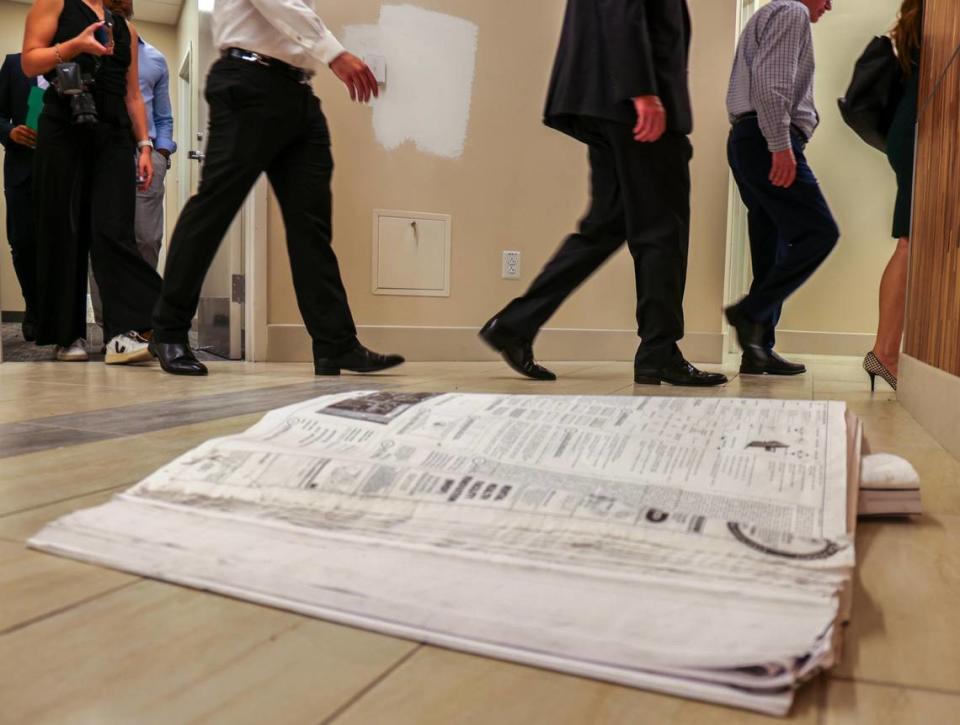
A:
696	546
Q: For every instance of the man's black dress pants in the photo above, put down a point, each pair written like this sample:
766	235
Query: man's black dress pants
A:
641	196
261	121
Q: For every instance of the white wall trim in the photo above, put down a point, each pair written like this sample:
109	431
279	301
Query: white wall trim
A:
804	342
290	343
932	396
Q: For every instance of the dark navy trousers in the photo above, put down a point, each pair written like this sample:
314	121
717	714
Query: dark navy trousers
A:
792	231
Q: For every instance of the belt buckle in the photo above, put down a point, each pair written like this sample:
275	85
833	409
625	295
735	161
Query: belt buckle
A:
249	55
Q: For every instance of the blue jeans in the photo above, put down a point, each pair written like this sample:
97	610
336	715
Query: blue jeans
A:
792	231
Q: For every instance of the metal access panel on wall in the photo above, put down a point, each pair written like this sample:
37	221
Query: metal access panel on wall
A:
411	253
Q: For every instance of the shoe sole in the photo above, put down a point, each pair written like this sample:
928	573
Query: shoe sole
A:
127	358
661	381
769	372
360	371
184	373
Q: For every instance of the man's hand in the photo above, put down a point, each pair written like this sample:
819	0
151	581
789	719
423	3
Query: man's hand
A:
356	76
144	169
651	119
25	136
784	169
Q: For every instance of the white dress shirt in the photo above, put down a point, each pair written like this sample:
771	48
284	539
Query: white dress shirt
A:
288	30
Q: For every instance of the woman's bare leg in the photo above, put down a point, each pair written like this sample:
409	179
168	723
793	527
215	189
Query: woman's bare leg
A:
893	302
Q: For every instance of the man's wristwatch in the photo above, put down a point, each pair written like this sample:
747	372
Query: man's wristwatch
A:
146	143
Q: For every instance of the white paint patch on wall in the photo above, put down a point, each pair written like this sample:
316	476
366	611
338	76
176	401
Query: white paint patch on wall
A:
431	58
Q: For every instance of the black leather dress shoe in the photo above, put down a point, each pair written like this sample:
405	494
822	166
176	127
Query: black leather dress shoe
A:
774	365
516	352
681	373
176	358
357	360
750	335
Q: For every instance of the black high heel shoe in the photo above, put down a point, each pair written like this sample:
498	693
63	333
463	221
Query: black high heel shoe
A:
874	367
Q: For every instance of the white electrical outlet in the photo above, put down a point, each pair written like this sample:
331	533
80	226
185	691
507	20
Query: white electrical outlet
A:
511	265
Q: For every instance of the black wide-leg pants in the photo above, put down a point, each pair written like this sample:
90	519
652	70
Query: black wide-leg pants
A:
84	186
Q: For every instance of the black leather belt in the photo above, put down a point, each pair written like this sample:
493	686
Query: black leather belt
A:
753	115
300	75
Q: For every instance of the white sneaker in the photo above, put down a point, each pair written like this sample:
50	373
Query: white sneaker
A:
127	348
76	352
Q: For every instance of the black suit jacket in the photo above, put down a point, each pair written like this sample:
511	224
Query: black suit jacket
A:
612	51
14	92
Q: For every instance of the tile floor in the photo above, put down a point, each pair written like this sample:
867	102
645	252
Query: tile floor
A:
80	644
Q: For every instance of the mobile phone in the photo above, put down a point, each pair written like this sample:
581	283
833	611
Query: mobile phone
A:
104	34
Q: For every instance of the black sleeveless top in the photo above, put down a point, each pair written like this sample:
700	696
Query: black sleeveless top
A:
109	71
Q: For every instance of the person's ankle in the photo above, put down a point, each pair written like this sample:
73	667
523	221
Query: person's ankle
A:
889	361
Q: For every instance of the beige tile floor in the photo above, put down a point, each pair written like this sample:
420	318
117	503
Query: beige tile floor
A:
80	644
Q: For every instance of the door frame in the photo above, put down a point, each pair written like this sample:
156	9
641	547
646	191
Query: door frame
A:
254	222
738	266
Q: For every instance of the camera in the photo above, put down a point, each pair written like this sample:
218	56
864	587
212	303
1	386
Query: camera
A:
76	85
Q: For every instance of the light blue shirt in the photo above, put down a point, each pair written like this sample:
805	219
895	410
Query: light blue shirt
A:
155	88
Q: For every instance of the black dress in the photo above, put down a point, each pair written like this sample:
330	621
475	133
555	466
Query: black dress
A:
901	141
85	191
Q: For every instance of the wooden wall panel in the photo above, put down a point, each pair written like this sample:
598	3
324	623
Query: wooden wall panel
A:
933	308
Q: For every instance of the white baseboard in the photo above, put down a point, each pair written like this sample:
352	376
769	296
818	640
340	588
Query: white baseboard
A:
290	343
932	397
801	342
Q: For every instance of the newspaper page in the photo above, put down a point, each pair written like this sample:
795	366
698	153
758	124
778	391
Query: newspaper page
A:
518	526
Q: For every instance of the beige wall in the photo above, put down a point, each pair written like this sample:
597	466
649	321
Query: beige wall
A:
12	17
857	181
518	184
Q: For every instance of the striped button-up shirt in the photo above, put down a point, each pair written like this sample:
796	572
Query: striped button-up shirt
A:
773	73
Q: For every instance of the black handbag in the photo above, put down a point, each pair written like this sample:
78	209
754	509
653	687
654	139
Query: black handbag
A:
873	96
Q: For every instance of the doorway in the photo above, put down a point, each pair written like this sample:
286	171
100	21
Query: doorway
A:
226	327
739	272
835	312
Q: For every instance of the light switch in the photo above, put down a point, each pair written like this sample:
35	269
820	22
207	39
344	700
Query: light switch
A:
378	66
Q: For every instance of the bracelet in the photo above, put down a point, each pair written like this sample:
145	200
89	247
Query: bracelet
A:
56	49
144	144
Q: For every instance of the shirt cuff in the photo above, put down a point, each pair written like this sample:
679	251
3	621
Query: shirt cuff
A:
164	144
779	141
328	49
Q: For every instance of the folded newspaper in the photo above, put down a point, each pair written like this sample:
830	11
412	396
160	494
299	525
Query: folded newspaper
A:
889	486
696	546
